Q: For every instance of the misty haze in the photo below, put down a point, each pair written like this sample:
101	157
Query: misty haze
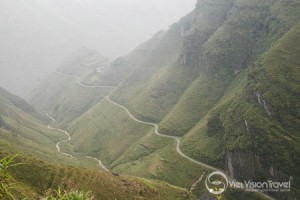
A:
37	35
159	99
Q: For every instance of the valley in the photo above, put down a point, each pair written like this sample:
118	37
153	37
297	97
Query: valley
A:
217	91
177	139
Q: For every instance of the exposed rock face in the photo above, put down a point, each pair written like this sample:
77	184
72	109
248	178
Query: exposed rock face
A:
263	102
229	164
242	166
258	98
247	126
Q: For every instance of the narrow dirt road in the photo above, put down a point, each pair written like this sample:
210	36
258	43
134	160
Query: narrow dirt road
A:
178	141
67	140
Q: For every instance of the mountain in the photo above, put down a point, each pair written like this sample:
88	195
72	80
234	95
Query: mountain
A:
62	97
224	81
23	125
37	35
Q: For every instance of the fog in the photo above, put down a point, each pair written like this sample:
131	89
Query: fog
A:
36	35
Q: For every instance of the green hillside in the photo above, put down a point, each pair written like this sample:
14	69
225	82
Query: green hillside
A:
252	130
224	80
20	127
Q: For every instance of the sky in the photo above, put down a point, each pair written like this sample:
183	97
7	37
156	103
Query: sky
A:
36	35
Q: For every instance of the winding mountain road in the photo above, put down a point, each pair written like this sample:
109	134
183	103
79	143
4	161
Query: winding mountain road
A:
82	84
63	141
177	139
93	86
99	163
67	140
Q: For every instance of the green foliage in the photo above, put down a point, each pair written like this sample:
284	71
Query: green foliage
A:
214	126
36	177
72	195
6	180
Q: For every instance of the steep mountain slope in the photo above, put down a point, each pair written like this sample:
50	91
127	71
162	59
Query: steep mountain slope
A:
166	73
225	79
35	178
14	101
256	123
21	125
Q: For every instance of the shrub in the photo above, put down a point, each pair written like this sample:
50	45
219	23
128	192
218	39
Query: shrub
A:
6	180
72	195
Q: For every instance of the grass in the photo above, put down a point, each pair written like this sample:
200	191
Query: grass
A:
128	147
161	78
192	106
157	158
105	132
